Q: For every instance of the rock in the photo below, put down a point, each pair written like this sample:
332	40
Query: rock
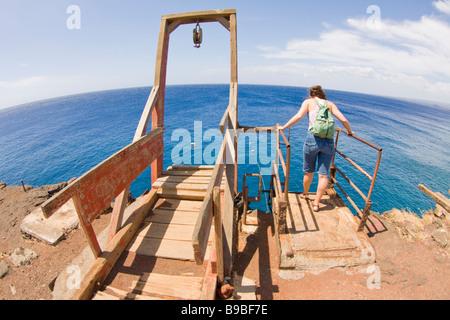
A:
22	256
387	266
440	236
3	269
53	229
2	185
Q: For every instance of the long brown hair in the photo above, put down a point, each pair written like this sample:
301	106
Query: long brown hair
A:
318	92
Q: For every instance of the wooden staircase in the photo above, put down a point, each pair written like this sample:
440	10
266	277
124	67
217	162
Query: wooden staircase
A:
159	261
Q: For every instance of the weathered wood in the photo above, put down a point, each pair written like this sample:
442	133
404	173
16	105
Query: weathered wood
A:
100	185
162	248
179	217
169	231
183	287
200	173
182	194
224	120
146	114
160	81
122	200
117	214
223	21
438	197
183	179
204	220
200	16
104	263
87	228
191	167
181	205
217	213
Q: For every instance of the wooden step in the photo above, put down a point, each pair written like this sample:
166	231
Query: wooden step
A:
167	231
155	286
184	179
181	194
163	248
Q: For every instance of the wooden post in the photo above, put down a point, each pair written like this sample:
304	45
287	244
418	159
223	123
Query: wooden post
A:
217	212
436	196
160	81
122	200
87	228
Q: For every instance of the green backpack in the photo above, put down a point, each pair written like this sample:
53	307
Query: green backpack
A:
323	127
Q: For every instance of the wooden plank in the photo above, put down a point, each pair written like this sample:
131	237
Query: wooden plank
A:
87	228
181	186
204	220
223	21
160	81
178	217
100	295
191	167
100	185
146	113
182	287
181	194
162	248
201	16
175	204
438	197
182	179
202	173
112	293
217	213
104	263
171	231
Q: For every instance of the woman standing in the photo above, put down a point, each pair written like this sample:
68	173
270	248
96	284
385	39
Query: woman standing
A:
316	149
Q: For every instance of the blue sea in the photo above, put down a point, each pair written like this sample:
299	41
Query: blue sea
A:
50	141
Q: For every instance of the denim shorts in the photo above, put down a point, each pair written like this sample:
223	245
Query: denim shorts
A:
317	150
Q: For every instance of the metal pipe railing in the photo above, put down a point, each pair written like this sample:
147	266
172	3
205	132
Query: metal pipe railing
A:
364	214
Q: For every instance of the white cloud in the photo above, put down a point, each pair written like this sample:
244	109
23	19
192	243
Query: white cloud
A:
443	6
410	53
23	83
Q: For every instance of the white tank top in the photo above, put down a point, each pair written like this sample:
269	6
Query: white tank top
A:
313	114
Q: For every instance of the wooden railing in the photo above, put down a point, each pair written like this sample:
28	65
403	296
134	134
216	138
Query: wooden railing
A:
213	207
93	192
364	213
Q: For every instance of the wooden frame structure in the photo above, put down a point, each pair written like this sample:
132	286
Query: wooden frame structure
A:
93	192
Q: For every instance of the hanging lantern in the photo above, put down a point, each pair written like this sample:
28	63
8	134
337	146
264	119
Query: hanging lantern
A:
197	35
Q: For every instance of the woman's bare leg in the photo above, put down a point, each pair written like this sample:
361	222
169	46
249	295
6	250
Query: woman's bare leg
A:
307	179
321	187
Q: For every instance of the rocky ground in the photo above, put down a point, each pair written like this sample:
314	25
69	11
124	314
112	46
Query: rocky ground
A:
412	258
28	267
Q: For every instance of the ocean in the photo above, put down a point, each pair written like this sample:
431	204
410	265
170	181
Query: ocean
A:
51	141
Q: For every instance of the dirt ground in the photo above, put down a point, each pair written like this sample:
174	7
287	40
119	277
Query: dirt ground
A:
415	269
404	270
33	282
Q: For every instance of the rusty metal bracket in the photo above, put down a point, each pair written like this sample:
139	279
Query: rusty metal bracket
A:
245	196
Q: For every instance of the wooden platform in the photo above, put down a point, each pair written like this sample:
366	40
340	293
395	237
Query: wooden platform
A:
322	240
159	261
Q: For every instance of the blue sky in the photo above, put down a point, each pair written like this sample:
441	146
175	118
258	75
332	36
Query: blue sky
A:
401	49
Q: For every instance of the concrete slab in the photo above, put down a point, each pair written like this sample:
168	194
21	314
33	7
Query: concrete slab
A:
53	229
322	240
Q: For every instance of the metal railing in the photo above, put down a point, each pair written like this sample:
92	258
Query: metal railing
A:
279	191
364	213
